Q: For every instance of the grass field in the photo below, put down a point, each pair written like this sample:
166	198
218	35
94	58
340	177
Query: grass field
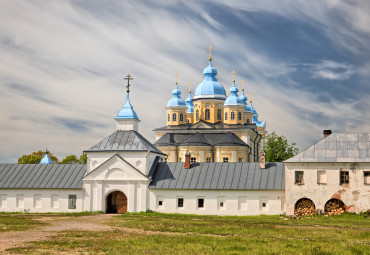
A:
153	233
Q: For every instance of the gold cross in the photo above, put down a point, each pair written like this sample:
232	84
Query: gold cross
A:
128	78
189	87
250	96
210	53
233	72
242	85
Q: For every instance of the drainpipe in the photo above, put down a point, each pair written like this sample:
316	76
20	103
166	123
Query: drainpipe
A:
257	154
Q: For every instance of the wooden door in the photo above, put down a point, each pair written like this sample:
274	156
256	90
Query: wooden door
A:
121	203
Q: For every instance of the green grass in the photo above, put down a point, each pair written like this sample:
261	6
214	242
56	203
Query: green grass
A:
153	233
17	222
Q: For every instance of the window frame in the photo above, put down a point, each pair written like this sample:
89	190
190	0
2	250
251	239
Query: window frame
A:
72	201
207	114
193	159
174	116
197	115
208	159
200	203
225	159
219	114
232	116
180	202
240	159
343	177
239	115
168	117
299	180
226	116
181	117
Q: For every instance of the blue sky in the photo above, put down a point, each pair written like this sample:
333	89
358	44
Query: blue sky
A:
62	65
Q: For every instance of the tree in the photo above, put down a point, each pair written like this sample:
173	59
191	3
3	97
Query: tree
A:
277	148
72	159
35	158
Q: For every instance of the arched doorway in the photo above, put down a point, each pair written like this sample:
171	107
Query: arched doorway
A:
334	207
116	202
304	207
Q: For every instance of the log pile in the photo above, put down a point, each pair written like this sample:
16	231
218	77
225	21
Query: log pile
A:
334	207
304	207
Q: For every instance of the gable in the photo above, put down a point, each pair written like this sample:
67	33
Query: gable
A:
202	124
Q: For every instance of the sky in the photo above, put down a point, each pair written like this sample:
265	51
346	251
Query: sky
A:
63	63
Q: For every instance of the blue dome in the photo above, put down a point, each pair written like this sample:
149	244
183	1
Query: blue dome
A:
210	87
244	98
46	159
189	103
255	118
127	111
233	99
176	100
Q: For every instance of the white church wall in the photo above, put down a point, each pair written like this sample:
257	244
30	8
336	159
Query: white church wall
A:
248	202
41	200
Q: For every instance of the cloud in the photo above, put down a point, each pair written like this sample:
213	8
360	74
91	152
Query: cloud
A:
331	70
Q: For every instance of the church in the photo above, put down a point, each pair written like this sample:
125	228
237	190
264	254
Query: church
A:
206	160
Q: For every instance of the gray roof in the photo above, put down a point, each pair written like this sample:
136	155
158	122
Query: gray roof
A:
198	139
218	125
124	141
219	176
41	176
337	148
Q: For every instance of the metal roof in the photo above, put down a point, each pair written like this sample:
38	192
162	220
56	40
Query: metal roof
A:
337	147
209	125
124	141
41	176
219	176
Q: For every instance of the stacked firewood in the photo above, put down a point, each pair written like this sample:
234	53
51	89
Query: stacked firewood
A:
304	207
334	207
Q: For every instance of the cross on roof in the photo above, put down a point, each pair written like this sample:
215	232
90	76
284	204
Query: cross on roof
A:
189	87
210	52
242	85
250	96
233	72
177	78
128	78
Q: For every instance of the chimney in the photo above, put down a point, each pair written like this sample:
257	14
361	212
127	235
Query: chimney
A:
263	160
187	160
327	133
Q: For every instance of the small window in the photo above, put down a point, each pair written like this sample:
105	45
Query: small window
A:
197	115
193	160
225	160
344	177
180	202
208	159
264	204
168	117
367	178
248	121
200	202
299	177
221	204
239	116
72	201
174	117
160	203
240	159
181	117
219	114
187	121
225	115
232	116
207	114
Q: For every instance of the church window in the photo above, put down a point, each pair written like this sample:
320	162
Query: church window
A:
72	201
180	202
232	116
225	159
367	178
168	117
225	115
193	159
208	159
160	202
200	202
187	121
181	117
174	117
239	115
197	115
299	177
248	121
240	159
207	114
219	114
344	177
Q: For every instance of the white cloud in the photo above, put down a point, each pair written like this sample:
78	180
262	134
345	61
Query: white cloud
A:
331	70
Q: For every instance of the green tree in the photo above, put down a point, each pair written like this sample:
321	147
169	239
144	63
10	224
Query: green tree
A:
72	159
278	149
35	158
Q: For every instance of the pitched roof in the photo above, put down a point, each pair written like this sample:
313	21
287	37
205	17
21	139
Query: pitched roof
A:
196	139
124	141
219	176
337	147
218	125
41	176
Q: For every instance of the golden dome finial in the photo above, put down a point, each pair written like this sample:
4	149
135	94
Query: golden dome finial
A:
177	78
233	72
210	53
242	85
189	87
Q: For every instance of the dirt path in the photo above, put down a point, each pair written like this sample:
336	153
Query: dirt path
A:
14	239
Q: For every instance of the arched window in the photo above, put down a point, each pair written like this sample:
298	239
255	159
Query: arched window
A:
197	115
219	114
168	117
181	117
207	114
187	121
174	117
225	115
232	116
247	121
239	115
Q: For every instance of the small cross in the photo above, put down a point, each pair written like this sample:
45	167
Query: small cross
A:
233	72
210	52
177	78
128	78
250	96
189	87
242	85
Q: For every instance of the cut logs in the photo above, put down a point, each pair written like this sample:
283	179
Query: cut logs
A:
304	207
334	207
